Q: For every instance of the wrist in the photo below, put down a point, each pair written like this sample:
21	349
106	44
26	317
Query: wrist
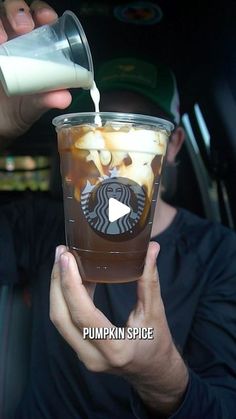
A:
162	388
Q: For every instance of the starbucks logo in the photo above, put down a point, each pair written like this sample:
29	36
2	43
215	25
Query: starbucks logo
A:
95	203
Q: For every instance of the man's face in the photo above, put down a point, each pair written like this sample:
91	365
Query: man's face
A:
129	102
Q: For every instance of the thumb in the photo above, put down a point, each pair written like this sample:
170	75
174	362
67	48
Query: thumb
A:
33	107
150	267
148	284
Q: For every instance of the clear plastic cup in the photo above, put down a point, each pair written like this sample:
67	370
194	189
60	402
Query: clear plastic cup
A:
111	175
51	57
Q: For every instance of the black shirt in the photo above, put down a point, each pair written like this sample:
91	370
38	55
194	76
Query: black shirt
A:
197	268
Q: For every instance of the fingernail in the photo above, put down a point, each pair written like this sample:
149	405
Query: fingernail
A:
58	253
46	10
157	251
22	18
64	260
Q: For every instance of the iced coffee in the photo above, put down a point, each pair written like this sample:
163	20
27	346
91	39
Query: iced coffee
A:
111	174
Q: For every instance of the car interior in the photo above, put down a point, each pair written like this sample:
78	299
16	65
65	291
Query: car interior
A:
197	40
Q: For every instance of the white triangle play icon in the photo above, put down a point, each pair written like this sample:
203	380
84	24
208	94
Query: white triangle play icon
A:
116	210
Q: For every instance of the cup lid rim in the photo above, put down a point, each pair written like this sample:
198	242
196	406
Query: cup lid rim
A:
67	119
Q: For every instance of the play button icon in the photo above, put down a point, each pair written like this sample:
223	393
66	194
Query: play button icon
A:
117	210
114	207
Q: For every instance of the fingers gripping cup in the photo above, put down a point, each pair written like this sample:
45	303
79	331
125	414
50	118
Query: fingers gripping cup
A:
51	57
111	175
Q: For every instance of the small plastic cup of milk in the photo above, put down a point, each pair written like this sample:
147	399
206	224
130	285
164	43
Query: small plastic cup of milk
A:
51	57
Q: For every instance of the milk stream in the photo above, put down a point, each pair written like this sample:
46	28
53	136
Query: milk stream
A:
95	96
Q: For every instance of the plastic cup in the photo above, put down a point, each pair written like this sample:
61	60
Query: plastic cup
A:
51	57
111	175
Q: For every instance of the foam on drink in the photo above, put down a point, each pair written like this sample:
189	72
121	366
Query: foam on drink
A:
129	150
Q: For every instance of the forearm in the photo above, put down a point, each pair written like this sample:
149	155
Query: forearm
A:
162	388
